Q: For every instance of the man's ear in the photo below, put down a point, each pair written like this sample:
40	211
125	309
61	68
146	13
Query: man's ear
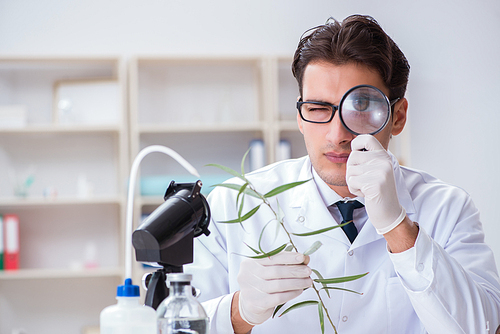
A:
299	120
399	116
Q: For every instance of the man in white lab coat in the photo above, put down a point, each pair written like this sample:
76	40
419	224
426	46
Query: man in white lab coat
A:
420	240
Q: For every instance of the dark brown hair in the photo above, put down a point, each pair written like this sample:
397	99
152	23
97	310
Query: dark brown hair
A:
357	39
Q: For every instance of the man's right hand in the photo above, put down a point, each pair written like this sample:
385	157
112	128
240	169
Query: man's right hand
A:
269	282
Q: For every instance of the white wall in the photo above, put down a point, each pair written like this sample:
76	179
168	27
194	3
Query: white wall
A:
452	46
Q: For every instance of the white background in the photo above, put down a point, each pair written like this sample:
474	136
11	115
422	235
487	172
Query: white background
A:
453	48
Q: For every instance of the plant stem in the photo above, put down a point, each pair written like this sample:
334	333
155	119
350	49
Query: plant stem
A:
295	248
325	309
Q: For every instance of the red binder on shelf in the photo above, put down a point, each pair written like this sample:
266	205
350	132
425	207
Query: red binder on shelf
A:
1	242
11	242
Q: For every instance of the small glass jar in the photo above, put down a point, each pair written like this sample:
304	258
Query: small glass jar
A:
181	312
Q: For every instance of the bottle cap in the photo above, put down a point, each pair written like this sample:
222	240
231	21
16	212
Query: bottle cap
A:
127	290
179	278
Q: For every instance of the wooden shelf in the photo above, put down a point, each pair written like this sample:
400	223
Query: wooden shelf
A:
199	128
37	202
60	273
61	129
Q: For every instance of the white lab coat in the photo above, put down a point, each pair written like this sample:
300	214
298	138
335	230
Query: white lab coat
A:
447	283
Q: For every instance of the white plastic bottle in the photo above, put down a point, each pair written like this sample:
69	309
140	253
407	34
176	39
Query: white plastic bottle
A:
128	316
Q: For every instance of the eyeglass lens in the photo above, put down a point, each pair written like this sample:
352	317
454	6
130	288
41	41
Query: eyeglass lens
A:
365	110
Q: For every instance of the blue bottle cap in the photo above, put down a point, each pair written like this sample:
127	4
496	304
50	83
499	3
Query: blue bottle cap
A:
127	290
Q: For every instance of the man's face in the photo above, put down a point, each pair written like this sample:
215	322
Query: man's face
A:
329	145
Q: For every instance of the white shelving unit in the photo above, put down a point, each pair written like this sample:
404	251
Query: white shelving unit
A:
72	216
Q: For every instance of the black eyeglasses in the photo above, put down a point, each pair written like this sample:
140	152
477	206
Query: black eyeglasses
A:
363	109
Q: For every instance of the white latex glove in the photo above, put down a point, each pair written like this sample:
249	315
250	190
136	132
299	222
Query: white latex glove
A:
269	282
369	174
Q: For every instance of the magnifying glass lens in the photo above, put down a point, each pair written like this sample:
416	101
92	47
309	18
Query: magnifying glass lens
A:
365	110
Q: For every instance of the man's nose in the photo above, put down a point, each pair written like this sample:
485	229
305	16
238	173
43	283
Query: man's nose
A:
338	134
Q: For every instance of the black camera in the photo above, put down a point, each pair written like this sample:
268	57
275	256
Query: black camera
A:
167	235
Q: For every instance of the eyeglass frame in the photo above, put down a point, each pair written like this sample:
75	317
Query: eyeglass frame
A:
337	107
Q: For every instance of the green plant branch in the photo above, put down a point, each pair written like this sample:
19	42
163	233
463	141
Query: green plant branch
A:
247	188
282	223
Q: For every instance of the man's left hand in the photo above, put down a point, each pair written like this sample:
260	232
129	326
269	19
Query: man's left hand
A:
370	175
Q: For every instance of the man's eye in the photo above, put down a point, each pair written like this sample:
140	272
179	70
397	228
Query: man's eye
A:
361	104
319	109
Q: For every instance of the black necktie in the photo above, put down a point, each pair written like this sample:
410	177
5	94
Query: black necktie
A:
346	209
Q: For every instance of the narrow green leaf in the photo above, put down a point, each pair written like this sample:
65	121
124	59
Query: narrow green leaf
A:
237	187
249	214
339	279
245	217
240	209
284	187
240	192
299	305
277	308
232	221
323	230
317	273
321	277
243	161
253	249
228	170
261	235
326	288
321	318
271	253
314	247
280	214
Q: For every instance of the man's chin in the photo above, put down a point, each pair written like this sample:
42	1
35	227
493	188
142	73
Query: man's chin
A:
336	183
333	180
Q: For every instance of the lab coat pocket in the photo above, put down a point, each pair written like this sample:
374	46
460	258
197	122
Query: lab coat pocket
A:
401	316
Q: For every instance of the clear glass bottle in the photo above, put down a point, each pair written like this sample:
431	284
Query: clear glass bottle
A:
180	312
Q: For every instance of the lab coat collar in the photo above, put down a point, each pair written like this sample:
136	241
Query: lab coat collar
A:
314	214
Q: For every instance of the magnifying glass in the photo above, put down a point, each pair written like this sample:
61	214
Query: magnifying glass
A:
364	109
